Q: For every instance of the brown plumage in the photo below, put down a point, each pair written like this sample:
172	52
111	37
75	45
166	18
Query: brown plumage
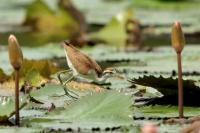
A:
82	65
79	62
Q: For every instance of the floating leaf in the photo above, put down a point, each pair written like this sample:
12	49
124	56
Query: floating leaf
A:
46	52
176	128
36	71
44	67
81	86
7	88
47	95
116	24
54	93
169	88
34	78
108	105
47	21
14	129
7	107
166	4
164	111
156	114
104	109
33	71
101	11
112	54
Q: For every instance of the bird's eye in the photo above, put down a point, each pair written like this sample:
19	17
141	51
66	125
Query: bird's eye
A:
110	72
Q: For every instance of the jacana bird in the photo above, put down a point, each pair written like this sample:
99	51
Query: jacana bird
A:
82	65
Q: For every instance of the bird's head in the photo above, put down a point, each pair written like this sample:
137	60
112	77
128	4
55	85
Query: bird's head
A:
107	73
110	72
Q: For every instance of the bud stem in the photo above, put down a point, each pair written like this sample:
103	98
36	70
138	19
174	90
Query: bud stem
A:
17	97
180	86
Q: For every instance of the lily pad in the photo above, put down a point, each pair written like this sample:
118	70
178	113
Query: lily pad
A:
100	11
114	105
169	88
116	24
7	107
43	53
104	109
33	71
6	129
47	95
167	4
44	67
39	14
164	111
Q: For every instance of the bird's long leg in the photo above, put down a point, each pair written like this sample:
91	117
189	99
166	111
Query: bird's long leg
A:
68	80
60	79
67	90
62	72
64	84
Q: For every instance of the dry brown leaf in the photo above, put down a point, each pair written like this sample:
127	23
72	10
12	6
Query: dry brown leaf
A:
82	86
7	88
3	76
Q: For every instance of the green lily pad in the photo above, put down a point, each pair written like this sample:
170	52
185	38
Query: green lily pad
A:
45	68
100	11
116	24
47	95
7	107
39	14
104	109
6	129
167	4
164	111
44	53
169	88
112	104
33	71
176	128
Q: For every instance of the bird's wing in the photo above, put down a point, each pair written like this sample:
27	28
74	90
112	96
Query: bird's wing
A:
94	65
83	63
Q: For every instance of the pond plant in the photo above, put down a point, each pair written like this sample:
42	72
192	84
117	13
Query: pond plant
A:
84	66
178	41
16	60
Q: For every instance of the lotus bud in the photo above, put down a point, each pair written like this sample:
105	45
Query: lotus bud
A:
15	53
177	37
